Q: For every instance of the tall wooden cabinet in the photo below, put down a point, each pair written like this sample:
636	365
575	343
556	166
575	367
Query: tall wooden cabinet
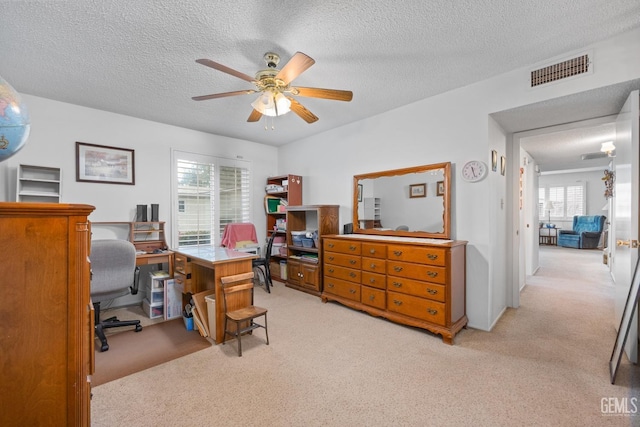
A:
288	188
46	317
411	281
304	262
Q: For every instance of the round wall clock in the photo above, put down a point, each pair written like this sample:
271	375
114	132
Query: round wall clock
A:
474	170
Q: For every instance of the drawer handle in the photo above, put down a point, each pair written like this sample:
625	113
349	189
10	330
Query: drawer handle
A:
371	297
432	311
353	261
432	291
397	284
331	245
372	251
432	257
330	285
331	258
396	268
352	248
372	280
352	291
331	270
397	253
432	274
397	302
372	266
352	274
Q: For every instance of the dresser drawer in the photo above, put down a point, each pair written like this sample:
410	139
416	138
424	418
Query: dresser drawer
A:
183	281
374	250
423	255
342	273
417	288
374	280
182	264
417	271
342	288
341	246
420	308
374	265
373	297
345	260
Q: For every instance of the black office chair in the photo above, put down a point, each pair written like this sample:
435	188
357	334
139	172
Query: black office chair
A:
113	274
262	264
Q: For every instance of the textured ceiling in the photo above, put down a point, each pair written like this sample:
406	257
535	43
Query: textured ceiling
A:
138	57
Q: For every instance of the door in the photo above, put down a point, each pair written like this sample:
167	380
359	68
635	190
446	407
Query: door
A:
625	214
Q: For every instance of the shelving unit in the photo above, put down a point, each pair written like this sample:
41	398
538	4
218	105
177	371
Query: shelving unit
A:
148	236
40	184
288	188
304	264
153	304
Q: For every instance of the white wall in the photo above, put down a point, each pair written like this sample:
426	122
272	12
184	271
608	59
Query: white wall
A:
453	127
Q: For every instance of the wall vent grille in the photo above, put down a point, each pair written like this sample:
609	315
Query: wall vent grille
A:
570	67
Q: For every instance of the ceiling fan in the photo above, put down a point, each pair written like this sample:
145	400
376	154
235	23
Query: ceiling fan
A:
274	86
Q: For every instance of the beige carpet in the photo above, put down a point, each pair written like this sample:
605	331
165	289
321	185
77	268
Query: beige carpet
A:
544	364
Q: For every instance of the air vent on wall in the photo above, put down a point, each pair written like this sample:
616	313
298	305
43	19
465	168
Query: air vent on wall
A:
561	70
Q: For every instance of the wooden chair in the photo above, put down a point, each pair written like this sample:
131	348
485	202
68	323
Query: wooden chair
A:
239	308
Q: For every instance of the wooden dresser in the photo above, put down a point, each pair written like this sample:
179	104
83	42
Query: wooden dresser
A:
413	281
46	317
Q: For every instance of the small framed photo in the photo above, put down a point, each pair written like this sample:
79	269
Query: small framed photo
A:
503	165
440	188
417	190
494	160
359	192
100	163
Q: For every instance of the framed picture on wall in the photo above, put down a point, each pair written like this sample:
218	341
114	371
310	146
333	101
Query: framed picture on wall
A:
100	163
503	165
359	192
494	160
417	190
440	188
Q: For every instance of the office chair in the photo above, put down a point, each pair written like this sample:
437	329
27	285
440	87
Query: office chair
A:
239	308
262	264
113	274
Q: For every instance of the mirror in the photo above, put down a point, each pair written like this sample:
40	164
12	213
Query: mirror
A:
411	202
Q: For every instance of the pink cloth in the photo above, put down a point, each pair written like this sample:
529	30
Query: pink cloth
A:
238	232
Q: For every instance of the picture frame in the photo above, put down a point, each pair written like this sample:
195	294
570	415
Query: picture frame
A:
503	165
417	190
104	164
359	192
440	188
494	160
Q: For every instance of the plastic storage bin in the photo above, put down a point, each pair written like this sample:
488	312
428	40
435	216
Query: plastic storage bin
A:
153	311
211	312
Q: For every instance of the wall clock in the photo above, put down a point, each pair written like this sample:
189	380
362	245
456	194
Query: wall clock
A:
474	171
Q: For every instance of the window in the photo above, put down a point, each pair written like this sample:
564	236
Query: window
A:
567	201
210	193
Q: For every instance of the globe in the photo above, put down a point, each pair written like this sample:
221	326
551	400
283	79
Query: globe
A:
14	121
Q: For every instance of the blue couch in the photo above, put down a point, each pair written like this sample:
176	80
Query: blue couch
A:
585	234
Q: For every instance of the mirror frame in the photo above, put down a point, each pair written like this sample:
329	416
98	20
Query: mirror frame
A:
446	233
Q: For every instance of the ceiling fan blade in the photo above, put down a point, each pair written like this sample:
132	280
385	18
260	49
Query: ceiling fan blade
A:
225	69
296	66
223	95
254	116
301	111
314	92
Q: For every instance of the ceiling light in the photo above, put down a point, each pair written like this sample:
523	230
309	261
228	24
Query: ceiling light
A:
272	104
608	147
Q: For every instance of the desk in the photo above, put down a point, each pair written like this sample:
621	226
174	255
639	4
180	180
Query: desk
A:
164	257
208	265
548	236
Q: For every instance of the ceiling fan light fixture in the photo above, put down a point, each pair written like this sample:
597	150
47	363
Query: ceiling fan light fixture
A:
608	147
270	104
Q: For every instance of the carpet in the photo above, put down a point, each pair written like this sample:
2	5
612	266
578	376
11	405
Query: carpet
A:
130	352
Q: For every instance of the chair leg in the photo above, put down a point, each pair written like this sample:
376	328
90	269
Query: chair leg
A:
266	331
101	336
239	335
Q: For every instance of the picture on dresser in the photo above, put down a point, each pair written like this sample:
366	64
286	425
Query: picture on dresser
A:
417	190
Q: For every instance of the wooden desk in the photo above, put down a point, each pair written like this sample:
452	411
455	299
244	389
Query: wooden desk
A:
208	265
164	257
